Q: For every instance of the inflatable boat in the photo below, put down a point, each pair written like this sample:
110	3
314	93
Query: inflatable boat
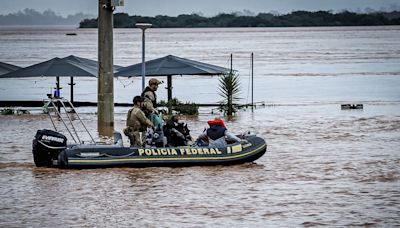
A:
50	149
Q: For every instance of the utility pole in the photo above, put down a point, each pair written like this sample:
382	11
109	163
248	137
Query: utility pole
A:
105	83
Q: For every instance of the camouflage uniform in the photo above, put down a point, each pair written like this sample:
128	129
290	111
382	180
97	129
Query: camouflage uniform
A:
150	100
136	122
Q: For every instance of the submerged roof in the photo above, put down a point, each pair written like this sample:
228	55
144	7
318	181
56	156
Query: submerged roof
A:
172	65
7	68
70	66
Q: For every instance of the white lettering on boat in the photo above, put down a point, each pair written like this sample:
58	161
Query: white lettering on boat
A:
90	154
157	152
52	138
183	151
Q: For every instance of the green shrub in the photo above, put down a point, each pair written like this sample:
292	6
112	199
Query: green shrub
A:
187	108
12	111
8	111
22	112
229	89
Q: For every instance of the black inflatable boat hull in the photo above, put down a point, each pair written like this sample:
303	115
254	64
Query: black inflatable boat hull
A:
90	156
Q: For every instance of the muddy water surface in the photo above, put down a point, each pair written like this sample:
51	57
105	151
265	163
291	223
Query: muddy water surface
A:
336	169
323	166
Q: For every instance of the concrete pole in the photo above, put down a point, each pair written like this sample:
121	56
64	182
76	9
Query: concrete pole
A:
105	83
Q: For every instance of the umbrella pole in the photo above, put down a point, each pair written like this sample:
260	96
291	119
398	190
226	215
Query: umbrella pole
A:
58	93
72	90
72	93
169	87
57	87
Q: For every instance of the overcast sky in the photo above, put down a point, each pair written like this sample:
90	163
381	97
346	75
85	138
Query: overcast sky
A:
207	7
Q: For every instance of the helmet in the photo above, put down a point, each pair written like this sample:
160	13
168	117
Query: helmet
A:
154	81
137	99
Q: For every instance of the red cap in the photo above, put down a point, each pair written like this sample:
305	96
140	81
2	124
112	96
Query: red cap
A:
216	122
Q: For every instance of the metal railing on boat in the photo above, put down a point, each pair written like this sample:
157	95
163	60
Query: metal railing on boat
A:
58	104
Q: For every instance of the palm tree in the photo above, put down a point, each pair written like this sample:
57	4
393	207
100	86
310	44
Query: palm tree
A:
229	89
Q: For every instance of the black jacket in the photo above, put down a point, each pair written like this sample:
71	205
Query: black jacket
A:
215	132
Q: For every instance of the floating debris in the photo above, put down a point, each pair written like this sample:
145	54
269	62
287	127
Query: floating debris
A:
352	106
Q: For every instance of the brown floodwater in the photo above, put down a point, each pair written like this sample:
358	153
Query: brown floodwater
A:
323	166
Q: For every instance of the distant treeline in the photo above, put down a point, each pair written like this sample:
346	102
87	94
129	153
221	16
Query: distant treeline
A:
294	19
33	17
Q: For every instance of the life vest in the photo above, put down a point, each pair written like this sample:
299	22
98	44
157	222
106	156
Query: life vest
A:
154	102
216	131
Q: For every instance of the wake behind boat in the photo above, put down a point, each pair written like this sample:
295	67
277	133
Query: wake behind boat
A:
50	149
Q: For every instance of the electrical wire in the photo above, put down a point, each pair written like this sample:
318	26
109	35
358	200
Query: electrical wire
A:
130	82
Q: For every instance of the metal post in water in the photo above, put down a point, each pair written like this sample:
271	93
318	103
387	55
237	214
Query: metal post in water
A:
252	80
57	86
143	27
72	90
105	92
58	93
231	63
169	87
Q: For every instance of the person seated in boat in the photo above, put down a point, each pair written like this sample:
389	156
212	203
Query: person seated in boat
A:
217	135
177	134
136	122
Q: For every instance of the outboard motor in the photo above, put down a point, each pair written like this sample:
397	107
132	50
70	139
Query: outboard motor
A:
46	147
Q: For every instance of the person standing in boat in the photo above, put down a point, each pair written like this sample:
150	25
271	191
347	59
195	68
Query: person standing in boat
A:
136	122
217	135
150	96
150	101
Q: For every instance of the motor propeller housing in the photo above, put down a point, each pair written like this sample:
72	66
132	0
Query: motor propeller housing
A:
46	147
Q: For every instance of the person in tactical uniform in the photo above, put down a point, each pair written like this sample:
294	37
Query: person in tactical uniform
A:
150	97
136	122
150	104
